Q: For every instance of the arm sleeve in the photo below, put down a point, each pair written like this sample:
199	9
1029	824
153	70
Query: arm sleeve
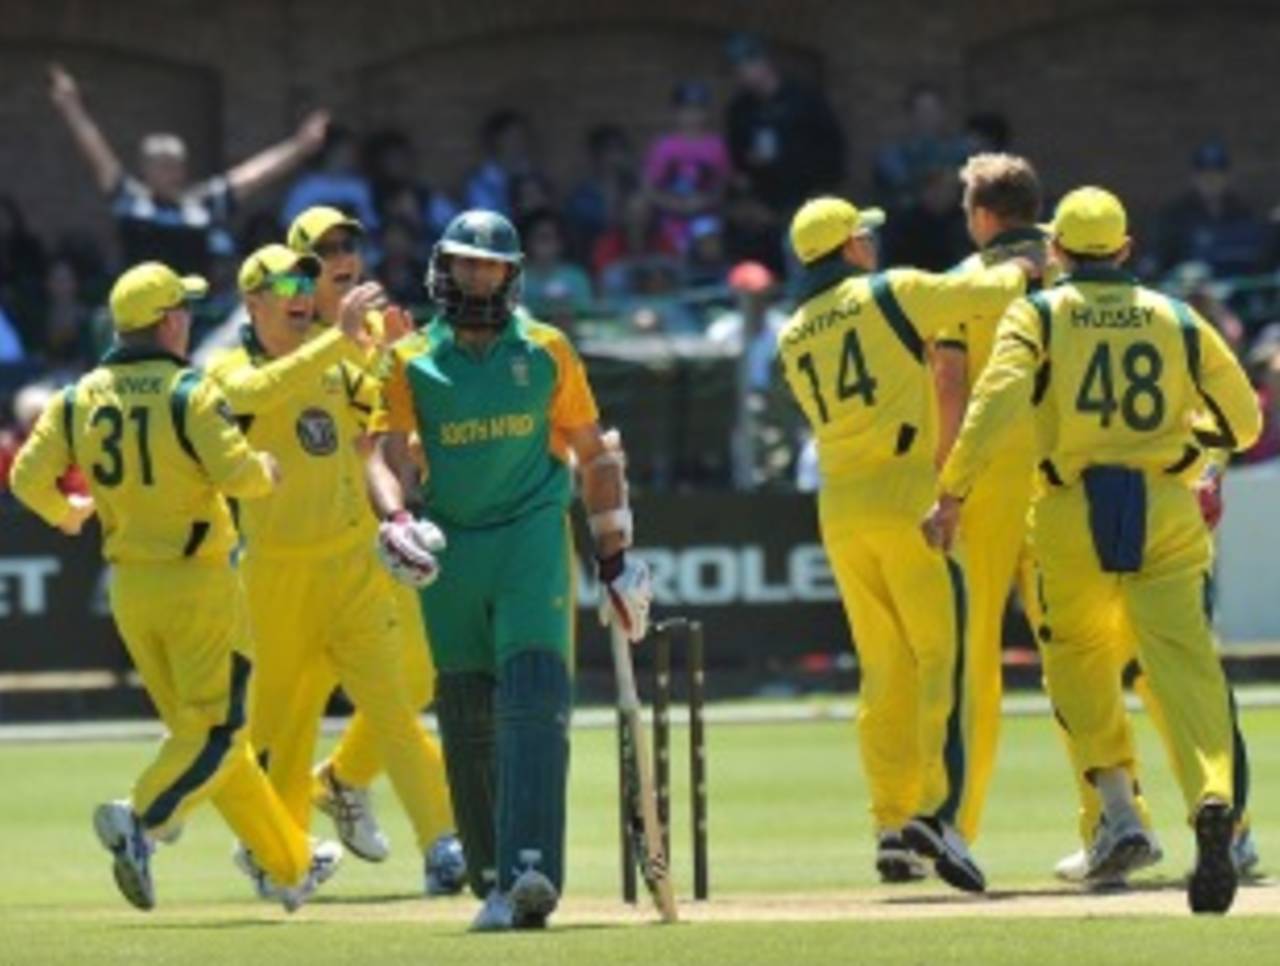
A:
394	412
1228	397
946	303
362	390
255	389
44	457
572	402
1001	398
234	467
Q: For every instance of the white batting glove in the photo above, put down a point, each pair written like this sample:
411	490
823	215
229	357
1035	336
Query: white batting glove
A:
407	548
627	592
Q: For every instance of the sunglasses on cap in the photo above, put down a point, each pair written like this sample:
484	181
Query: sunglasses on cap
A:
290	284
342	246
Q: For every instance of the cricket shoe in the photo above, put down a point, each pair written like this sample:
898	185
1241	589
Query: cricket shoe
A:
1074	868
325	858
1244	854
1212	887
937	840
896	862
121	834
352	814
445	871
246	863
533	899
1119	849
496	915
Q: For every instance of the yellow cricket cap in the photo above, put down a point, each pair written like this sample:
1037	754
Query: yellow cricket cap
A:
271	260
314	222
142	295
824	224
1090	221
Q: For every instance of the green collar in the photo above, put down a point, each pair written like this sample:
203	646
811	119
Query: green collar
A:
1011	236
1099	273
122	354
249	339
827	272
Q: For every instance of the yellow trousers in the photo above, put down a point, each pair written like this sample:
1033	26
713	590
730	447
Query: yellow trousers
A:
186	628
1084	615
993	531
320	623
357	760
905	605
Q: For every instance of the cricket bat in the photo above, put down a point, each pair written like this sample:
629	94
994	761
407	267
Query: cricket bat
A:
641	798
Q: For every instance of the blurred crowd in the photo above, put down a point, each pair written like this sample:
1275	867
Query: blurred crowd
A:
682	237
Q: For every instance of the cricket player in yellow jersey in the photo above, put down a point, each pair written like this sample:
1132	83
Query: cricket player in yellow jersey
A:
854	356
1112	376
342	782
159	448
1001	203
320	604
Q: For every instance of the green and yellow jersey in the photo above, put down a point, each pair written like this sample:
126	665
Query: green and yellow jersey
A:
853	354
492	423
308	409
159	448
1110	373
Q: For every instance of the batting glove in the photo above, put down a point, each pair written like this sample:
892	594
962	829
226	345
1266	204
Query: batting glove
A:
628	592
407	548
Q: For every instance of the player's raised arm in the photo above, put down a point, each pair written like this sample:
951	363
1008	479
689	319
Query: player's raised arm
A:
44	457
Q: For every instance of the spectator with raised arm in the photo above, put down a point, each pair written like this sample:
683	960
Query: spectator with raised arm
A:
160	214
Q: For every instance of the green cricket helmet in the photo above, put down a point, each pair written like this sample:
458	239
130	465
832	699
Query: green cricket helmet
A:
476	234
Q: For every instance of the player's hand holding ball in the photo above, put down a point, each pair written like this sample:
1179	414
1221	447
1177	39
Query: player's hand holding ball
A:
80	509
627	594
407	548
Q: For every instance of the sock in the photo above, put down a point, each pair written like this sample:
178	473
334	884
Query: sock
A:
464	708
533	765
1115	788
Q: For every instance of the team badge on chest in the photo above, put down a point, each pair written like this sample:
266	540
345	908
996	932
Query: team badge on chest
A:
520	371
317	432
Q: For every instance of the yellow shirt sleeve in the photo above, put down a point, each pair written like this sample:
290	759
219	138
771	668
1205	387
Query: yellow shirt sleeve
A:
44	457
235	468
1228	397
937	304
1000	399
572	402
255	389
394	412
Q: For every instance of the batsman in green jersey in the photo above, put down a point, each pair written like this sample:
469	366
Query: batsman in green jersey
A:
503	411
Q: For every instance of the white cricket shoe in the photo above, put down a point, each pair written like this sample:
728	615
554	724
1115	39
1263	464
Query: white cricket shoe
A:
351	809
1244	853
937	840
445	867
896	861
533	899
1119	849
121	834
496	915
326	856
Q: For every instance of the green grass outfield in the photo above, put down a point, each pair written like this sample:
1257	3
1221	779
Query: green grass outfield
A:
791	866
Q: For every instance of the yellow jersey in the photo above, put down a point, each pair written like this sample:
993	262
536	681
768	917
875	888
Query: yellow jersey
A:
1110	373
308	409
159	448
853	355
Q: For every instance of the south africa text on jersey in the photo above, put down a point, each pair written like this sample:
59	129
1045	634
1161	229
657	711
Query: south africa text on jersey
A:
465	432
